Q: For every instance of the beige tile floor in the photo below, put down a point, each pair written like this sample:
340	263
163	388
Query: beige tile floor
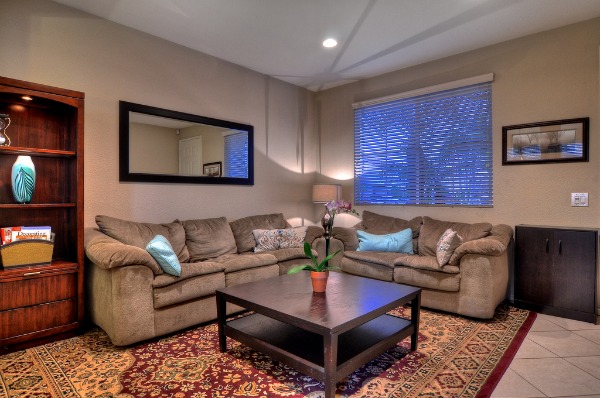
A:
558	358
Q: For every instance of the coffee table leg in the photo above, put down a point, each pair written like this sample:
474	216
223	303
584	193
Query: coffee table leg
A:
221	319
415	310
330	363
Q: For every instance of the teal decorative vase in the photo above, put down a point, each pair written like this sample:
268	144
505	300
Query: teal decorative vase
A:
23	179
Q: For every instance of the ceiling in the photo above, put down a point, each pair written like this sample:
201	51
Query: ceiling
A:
282	38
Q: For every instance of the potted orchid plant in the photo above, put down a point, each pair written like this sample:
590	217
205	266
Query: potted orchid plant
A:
320	270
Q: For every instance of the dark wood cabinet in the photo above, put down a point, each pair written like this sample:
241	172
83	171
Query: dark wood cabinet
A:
39	303
556	271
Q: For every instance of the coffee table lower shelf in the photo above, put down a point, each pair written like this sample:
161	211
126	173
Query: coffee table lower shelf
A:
304	350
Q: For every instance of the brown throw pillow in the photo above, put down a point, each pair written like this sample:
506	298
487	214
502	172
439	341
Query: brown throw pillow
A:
242	229
378	224
208	238
139	234
432	230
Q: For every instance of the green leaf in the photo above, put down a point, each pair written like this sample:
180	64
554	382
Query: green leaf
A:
298	268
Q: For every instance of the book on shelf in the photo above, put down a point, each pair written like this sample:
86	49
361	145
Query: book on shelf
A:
14	234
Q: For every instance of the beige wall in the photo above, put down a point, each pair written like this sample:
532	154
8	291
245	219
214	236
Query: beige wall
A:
548	76
48	43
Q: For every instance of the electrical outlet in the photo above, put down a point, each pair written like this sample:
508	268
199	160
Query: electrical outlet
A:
579	199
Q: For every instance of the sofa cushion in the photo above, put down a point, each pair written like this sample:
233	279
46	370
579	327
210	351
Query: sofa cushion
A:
242	229
425	263
432	230
388	259
446	245
188	270
208	238
139	234
275	239
290	254
236	262
399	242
427	279
160	249
374	223
367	269
188	289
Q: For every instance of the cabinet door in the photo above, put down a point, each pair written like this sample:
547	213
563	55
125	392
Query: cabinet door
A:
575	270
533	266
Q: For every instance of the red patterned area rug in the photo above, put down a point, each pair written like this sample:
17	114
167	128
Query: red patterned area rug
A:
457	357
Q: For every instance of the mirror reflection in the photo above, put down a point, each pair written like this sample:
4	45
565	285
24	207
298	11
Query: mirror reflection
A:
167	146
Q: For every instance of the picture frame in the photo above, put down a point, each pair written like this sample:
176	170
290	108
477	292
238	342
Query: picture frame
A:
212	169
553	141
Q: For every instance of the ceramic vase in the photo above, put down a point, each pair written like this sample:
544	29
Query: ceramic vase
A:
23	179
319	281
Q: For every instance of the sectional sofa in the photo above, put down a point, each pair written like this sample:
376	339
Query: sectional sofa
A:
462	268
132	298
467	273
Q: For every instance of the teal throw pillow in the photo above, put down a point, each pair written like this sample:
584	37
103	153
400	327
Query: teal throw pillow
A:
400	242
162	251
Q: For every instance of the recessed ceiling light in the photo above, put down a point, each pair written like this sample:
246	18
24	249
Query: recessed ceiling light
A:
27	98
329	43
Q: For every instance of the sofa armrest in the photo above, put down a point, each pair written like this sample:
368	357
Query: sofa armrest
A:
347	236
493	245
334	246
108	253
313	232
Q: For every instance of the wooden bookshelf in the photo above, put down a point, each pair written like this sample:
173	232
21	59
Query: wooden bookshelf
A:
39	303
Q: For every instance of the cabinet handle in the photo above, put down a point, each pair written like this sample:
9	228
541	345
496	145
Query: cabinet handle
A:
32	273
560	246
547	245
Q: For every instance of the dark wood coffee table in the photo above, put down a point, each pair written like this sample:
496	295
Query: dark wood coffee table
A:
324	335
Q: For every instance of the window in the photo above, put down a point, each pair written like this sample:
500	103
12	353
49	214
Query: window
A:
425	149
236	155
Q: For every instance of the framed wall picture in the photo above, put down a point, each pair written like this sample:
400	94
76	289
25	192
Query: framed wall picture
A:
212	169
546	142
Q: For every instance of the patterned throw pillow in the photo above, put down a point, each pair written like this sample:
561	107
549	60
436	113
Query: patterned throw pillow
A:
446	245
275	239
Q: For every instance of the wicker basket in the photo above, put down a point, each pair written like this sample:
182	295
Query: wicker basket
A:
26	252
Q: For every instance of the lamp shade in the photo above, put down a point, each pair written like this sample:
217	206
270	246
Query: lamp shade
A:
323	193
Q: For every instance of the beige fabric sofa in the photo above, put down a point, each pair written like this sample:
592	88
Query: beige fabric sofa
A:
132	299
474	281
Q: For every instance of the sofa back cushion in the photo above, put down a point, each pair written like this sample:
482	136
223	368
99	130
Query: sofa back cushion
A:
242	229
378	224
208	238
139	234
432	230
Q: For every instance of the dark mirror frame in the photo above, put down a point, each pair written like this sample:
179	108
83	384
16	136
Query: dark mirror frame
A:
126	176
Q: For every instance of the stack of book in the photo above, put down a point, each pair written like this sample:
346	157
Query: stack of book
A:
15	234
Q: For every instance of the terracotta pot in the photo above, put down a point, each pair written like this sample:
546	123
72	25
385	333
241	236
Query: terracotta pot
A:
319	281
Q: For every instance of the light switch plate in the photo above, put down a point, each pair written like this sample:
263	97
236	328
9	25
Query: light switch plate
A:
579	199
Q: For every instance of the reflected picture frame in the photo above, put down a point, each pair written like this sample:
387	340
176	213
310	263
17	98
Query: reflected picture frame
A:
213	169
553	141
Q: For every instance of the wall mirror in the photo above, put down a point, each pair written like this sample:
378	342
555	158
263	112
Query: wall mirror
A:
160	145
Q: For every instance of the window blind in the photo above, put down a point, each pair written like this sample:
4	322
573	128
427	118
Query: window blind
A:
432	149
236	155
